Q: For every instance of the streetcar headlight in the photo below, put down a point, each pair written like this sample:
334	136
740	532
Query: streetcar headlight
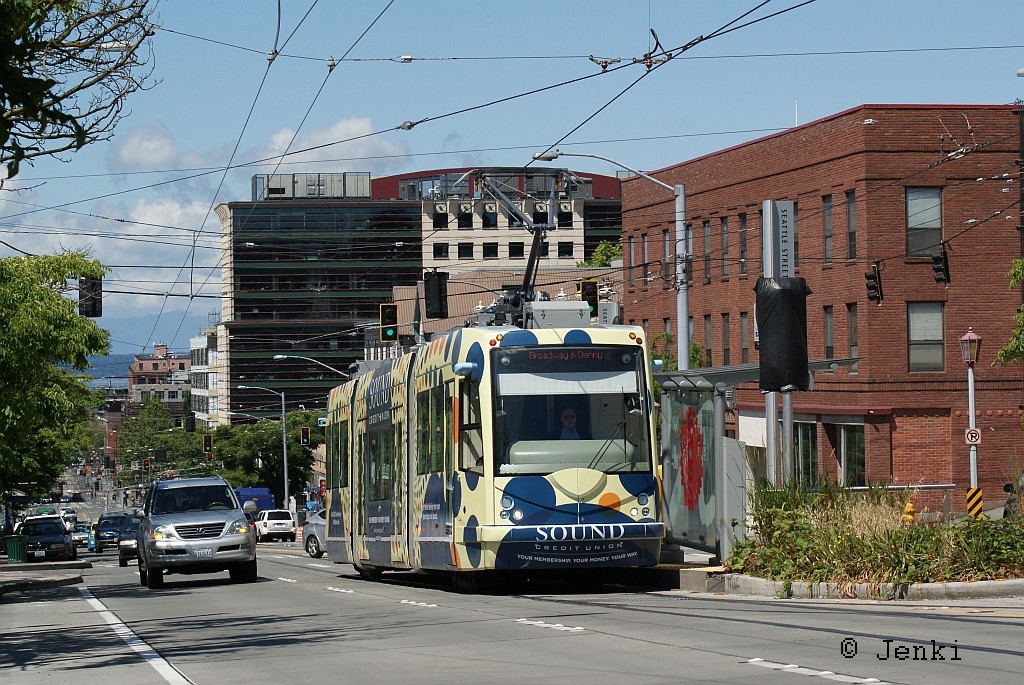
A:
506	502
517	515
642	499
634	511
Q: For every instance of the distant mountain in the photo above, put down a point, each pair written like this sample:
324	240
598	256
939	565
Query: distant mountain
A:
110	371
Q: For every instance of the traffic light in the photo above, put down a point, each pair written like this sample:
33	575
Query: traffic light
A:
145	463
389	322
90	297
940	265
304	435
435	290
874	283
207	444
190	422
588	293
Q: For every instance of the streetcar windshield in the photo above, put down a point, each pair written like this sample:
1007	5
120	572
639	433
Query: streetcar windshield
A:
570	407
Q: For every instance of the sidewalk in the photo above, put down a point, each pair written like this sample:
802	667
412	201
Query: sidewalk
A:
18	577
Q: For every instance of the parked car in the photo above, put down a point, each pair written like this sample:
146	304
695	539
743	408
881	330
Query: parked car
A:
314	534
128	542
194	525
80	535
47	538
275	523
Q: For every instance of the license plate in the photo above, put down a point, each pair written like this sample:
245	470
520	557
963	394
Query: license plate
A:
203	553
39	554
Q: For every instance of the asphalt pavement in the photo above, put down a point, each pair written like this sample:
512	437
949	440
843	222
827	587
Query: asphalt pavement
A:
694	575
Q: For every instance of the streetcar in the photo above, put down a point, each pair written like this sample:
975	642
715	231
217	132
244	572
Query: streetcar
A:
451	458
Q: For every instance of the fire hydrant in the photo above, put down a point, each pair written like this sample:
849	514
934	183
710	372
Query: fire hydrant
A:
907	518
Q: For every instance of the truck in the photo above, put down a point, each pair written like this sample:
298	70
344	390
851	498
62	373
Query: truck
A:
263	498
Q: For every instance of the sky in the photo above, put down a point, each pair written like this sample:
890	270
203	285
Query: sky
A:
143	203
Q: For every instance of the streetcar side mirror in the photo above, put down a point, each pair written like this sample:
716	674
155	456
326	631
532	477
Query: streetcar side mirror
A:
657	365
464	369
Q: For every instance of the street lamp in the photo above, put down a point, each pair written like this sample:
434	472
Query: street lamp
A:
284	434
682	286
310	359
970	346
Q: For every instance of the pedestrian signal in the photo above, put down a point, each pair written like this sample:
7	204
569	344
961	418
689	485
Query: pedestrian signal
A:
389	322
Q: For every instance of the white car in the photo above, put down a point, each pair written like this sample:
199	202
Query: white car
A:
275	523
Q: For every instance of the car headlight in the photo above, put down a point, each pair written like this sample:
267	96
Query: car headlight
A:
162	533
239	527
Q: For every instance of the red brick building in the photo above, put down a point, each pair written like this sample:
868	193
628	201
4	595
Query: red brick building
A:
893	183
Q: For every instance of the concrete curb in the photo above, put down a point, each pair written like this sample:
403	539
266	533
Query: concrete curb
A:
19	581
736	584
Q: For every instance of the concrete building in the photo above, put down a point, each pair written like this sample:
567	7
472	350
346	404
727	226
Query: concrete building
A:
204	375
888	183
307	262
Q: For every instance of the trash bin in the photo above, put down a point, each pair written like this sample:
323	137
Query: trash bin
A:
16	553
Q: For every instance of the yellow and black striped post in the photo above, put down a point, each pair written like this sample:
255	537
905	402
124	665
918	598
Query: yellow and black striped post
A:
974	503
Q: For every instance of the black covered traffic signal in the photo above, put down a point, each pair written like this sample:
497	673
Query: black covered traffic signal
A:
781	317
207	444
304	435
940	265
389	322
435	290
90	297
190	422
874	283
589	294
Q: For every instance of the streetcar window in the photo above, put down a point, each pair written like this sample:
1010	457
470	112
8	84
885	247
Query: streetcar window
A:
471	442
597	388
430	422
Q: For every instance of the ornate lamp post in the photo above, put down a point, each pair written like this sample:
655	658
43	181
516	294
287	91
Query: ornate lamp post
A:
970	346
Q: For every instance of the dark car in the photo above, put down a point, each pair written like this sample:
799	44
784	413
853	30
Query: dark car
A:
47	538
314	533
108	530
128	544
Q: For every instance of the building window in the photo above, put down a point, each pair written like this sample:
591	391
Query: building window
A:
440	250
516	251
646	257
565	219
851	225
465	250
565	248
851	332
489	219
743	244
440	220
465	220
744	338
924	221
707	251
540	218
707	338
644	322
668	324
851	442
805	450
826	222
925	350
632	258
544	249
666	255
726	351
830	343
725	247
490	250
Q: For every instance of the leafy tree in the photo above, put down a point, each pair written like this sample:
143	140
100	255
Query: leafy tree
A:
604	254
44	403
663	344
66	69
1013	351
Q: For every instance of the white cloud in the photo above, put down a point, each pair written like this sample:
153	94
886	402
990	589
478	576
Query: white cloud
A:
151	147
373	153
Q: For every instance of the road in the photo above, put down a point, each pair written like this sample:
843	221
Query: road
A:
309	621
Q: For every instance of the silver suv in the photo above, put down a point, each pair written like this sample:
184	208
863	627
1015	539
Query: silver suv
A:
194	525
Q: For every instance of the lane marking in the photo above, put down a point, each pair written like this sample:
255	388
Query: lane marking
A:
418	604
288	580
800	670
338	589
553	626
321	565
149	655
